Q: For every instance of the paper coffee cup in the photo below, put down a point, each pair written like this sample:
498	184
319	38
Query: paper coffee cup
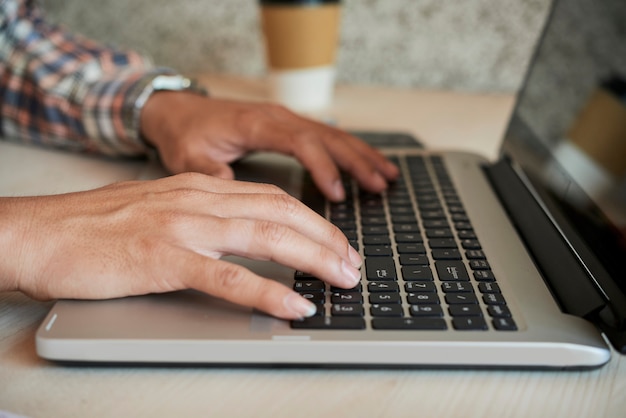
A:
301	38
600	131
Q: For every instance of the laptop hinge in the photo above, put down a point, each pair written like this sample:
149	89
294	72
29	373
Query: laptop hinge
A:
561	269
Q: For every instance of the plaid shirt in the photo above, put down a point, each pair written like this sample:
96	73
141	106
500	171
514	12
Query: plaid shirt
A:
67	91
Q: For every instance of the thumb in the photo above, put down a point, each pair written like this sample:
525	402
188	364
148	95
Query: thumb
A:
216	169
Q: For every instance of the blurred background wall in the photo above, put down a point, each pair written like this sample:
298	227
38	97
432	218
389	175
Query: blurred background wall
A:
471	45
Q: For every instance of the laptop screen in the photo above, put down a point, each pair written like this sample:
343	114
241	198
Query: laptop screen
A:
568	132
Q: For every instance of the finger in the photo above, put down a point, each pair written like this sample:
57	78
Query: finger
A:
337	136
288	211
368	166
236	284
270	241
388	169
213	168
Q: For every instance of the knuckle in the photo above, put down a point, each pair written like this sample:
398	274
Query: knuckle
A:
189	178
230	277
271	232
285	205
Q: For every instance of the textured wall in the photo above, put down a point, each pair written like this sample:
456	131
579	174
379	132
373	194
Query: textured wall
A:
466	45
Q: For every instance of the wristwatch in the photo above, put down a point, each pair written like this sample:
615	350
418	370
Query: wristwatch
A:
177	83
162	82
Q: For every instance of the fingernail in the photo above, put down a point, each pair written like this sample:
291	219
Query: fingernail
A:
338	192
300	306
355	258
381	183
352	273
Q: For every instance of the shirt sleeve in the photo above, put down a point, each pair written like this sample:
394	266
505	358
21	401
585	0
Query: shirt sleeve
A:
64	90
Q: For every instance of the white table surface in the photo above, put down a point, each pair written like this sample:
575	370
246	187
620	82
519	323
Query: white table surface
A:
33	387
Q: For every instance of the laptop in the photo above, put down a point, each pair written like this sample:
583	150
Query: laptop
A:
517	263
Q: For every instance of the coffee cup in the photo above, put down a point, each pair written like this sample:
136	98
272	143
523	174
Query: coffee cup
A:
301	39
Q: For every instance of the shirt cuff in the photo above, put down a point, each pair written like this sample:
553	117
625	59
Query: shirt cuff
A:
111	113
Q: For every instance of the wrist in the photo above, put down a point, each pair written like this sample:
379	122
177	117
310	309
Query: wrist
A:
14	224
154	86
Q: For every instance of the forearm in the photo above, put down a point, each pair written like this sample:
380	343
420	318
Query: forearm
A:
67	91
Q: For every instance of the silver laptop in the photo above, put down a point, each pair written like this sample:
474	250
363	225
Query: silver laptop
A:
468	263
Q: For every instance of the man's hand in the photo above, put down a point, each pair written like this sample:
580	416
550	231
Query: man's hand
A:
157	236
195	133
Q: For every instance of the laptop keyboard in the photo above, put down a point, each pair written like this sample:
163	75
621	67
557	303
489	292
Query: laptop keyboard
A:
424	268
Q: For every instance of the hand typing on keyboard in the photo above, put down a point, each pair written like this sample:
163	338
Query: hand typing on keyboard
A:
157	236
195	133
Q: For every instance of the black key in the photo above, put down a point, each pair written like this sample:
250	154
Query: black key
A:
484	276
402	210
329	322
469	323
461	299
376	240
475	254
403	219
452	208
420	298
373	220
499	311
504	324
380	268
430	206
420	287
417	273
345	226
375	230
347	297
340	216
309	286
439	233
384	297
494	299
405	228
409	323
459	217
411	249
351	235
349	309
436	224
446	254
488	287
414	260
462	226
457	287
466	234
470	244
426	310
408	238
378	211
442	243
387	310
479	265
377	250
374	287
315	297
451	270
433	214
465	310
